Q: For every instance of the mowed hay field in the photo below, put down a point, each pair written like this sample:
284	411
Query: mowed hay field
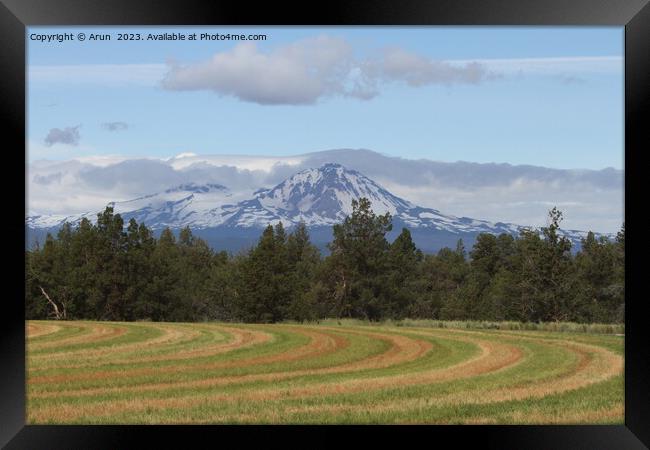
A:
141	373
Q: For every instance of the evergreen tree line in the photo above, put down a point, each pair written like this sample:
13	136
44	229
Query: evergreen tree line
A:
106	271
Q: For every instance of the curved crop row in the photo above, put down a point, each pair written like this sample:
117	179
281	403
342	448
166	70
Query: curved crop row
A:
107	372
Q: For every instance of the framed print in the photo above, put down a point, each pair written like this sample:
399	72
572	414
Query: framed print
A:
414	217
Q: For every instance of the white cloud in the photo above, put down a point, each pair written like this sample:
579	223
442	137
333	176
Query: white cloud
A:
66	136
397	64
307	70
184	155
102	160
523	201
241	162
298	73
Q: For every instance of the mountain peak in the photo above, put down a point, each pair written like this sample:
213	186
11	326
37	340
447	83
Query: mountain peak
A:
323	196
197	188
330	166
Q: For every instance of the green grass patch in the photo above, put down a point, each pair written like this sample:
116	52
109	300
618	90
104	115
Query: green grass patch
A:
288	379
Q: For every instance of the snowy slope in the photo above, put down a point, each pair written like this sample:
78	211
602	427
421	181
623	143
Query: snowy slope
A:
323	197
319	197
187	204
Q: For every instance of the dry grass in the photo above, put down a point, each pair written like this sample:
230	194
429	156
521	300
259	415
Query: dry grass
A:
182	373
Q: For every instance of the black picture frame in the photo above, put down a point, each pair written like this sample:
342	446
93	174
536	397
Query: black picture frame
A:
634	15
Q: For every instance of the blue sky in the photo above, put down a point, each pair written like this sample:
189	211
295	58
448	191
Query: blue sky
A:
548	96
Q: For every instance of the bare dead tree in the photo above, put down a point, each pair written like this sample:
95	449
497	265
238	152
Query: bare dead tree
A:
56	312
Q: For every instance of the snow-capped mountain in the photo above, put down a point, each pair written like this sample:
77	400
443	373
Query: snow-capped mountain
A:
323	197
186	204
319	197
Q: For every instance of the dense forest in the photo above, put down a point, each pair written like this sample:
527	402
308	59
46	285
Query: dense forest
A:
109	271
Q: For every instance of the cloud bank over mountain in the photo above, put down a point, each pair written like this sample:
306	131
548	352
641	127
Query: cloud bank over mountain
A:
590	199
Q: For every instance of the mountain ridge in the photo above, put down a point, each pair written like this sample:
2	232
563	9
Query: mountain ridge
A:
319	197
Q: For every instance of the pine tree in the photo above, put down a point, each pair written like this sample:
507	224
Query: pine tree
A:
303	260
223	287
404	260
159	299
598	287
266	283
556	266
360	251
544	274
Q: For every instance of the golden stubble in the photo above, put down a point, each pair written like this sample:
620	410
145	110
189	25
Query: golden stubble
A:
242	338
593	364
401	350
492	357
33	330
96	332
171	335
